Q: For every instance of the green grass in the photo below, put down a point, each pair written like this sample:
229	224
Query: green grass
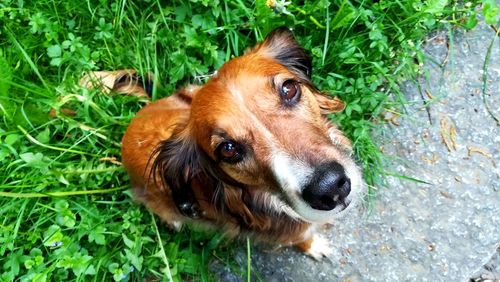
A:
65	211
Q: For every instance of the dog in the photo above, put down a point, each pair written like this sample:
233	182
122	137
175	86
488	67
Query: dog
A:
251	152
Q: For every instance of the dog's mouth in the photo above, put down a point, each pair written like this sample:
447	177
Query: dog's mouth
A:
299	208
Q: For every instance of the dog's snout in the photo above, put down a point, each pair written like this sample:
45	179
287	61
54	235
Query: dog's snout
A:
328	187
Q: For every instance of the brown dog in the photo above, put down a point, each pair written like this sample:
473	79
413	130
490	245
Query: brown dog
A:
250	152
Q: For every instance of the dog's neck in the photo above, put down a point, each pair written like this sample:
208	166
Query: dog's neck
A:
252	210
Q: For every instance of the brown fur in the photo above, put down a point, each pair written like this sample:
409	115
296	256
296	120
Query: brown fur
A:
168	148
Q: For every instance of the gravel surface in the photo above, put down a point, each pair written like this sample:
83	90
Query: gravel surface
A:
446	229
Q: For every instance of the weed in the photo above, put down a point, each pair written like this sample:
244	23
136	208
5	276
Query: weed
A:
65	211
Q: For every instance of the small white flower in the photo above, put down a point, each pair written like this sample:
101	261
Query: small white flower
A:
56	244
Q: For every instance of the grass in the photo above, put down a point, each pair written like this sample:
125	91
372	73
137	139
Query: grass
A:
65	210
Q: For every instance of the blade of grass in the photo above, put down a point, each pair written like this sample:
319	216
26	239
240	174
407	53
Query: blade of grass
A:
327	31
33	140
61	194
485	79
401	176
20	217
167	273
33	66
249	261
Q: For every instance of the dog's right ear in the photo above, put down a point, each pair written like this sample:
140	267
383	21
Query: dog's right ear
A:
176	162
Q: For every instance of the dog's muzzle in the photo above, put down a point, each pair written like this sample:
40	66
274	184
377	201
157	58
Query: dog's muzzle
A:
328	188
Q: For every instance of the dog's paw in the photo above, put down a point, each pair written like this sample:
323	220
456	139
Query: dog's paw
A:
320	247
175	225
317	247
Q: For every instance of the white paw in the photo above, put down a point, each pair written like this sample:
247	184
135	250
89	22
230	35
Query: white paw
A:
319	248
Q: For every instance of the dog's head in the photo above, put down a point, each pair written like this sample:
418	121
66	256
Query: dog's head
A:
259	124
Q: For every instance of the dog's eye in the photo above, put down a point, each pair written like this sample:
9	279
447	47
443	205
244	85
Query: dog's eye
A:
290	92
230	152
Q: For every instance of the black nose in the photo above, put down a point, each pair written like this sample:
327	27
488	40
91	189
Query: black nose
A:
328	187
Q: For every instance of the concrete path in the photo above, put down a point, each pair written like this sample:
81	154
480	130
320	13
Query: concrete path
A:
442	231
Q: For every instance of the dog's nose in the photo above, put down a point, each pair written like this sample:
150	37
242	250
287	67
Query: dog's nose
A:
328	187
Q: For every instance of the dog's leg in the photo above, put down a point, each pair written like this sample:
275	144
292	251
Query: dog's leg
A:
316	246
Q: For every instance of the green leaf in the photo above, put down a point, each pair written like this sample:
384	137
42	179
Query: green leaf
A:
56	62
37	255
490	11
357	108
197	21
435	6
66	218
39	277
14	261
471	21
6	71
28	264
33	160
54	51
62	179
11	139
96	235
129	243
180	12
135	259
77	262
348	110
37	161
44	136
90	270
343	16
113	267
53	237
61	205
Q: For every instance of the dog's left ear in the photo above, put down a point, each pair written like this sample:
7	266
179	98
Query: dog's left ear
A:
327	104
281	45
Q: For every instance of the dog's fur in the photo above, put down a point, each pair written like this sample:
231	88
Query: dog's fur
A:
170	150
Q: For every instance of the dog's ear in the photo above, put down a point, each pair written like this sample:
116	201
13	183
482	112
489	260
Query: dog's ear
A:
281	45
176	162
328	104
179	163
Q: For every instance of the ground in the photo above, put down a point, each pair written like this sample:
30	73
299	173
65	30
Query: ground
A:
446	225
